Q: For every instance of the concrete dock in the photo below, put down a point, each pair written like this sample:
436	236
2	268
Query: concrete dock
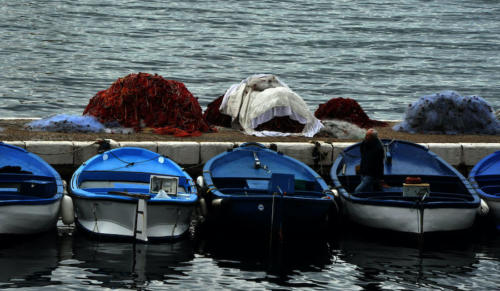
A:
66	156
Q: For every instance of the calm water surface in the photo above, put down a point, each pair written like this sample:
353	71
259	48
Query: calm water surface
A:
57	54
351	261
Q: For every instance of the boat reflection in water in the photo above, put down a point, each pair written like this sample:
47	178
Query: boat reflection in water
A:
385	264
128	265
27	261
289	263
354	260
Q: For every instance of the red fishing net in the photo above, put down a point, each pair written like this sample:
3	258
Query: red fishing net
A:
346	109
145	100
214	116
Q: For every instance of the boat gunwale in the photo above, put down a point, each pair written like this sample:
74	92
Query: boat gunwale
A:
37	201
126	199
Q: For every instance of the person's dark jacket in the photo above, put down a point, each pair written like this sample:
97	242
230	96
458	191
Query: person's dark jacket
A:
372	158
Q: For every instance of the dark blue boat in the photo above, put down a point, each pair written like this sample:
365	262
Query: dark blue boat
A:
257	188
30	192
443	200
485	177
133	193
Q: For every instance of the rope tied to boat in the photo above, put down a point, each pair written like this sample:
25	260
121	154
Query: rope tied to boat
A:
96	225
129	164
178	212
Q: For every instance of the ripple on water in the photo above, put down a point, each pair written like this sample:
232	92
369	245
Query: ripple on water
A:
388	51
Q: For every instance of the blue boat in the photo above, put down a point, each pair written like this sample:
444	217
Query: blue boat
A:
440	200
30	192
485	177
133	193
257	188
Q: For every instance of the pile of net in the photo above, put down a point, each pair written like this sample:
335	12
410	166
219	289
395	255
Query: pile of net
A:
341	130
262	105
498	114
449	113
66	123
213	115
346	109
145	100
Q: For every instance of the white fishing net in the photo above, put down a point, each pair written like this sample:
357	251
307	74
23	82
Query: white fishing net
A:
260	98
67	123
342	129
449	113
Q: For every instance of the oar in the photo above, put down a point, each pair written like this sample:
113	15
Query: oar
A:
133	195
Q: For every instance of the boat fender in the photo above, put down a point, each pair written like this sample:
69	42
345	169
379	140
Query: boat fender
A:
483	208
203	207
200	182
335	193
67	210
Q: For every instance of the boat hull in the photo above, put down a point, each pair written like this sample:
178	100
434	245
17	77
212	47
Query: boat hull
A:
261	213
118	218
410	220
28	219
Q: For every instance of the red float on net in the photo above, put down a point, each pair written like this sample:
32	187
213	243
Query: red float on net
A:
145	100
346	109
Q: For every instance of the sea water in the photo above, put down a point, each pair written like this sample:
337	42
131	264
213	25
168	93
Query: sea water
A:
56	55
349	260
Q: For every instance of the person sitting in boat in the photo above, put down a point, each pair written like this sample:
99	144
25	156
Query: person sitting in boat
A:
372	162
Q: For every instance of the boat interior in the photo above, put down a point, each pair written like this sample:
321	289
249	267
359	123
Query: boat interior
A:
490	184
26	186
264	186
112	182
442	188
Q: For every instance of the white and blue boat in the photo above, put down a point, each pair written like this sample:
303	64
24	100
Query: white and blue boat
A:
443	200
255	188
485	177
133	193
30	192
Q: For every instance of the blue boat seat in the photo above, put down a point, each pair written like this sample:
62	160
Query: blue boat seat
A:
490	184
491	189
258	184
282	183
13	186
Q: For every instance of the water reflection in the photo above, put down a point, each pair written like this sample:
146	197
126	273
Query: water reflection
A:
353	261
278	264
383	263
118	264
28	260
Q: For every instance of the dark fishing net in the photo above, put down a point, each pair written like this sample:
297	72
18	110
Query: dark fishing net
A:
346	109
213	115
449	113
